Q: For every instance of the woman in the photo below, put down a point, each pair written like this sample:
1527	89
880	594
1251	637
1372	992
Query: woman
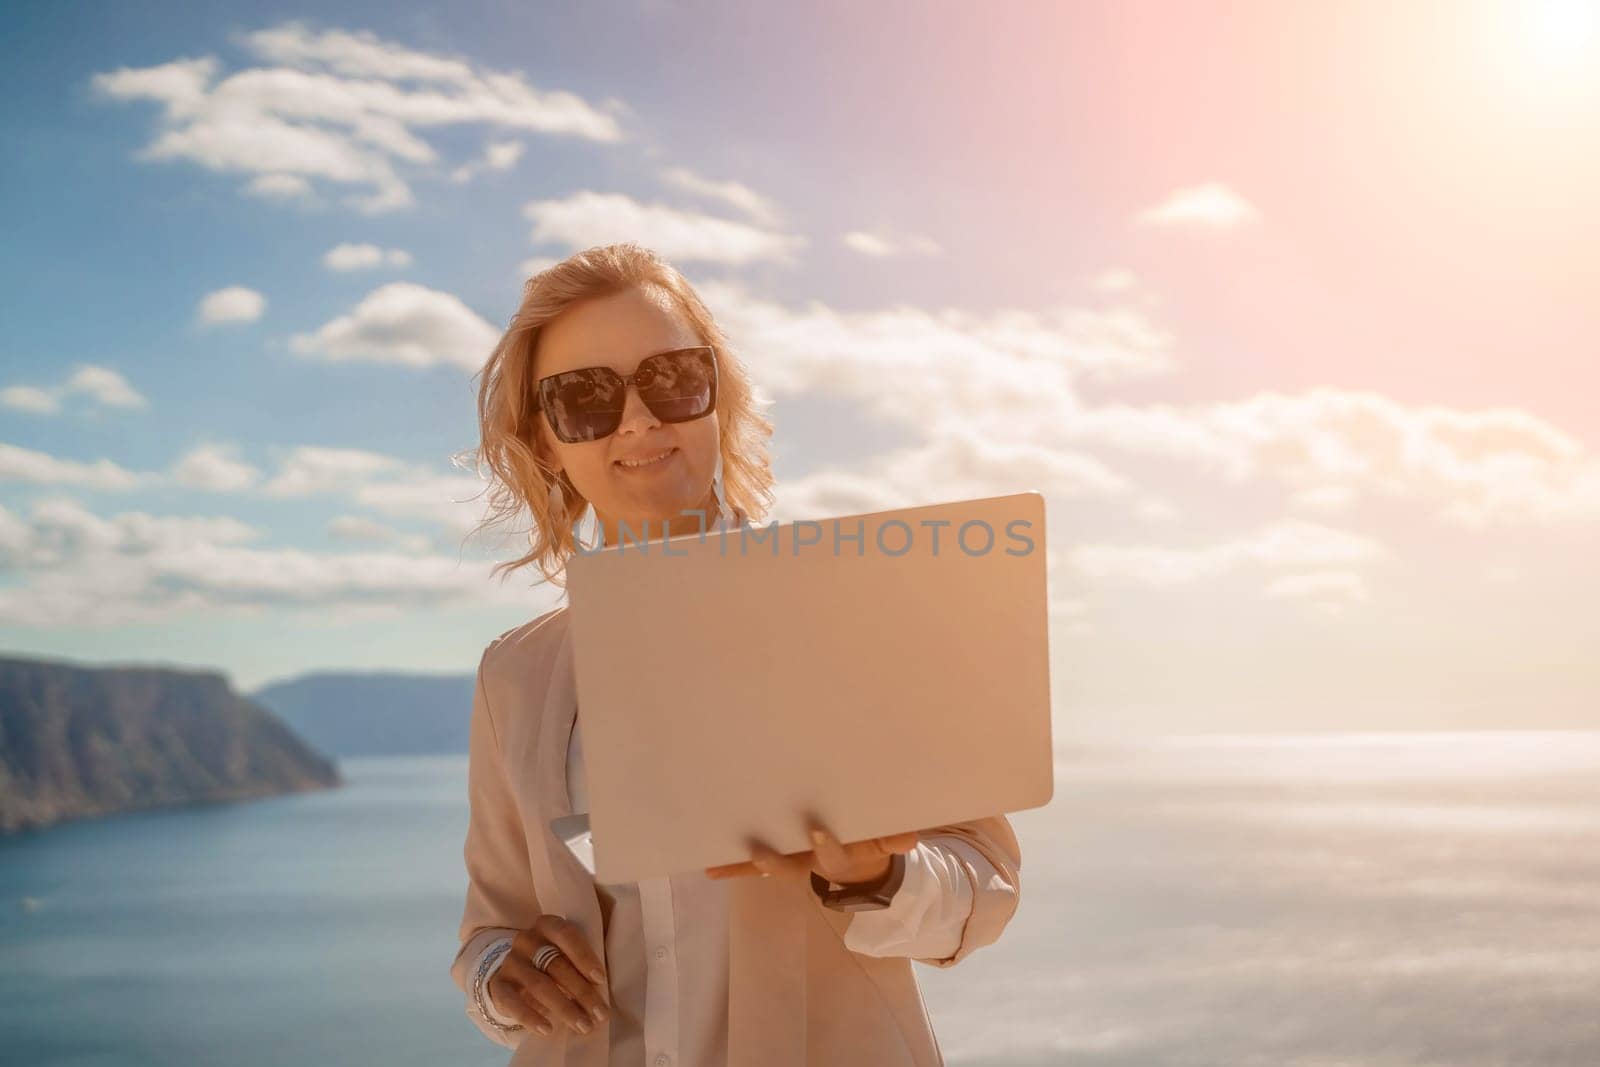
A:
613	389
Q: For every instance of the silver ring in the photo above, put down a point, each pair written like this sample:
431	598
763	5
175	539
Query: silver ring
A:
544	956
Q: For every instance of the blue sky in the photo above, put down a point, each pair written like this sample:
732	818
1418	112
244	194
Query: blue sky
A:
1288	312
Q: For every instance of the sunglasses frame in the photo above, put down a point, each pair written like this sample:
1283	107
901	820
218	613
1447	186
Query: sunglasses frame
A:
545	387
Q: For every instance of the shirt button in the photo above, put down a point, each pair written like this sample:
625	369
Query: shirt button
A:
661	954
662	1059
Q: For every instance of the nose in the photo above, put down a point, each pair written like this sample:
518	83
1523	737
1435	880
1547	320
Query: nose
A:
636	415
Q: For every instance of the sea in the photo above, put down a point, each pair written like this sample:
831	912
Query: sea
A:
1305	900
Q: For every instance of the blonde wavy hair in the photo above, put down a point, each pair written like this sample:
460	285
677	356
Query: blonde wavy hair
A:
508	411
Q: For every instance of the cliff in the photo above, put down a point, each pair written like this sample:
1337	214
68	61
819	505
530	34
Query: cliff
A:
77	741
375	713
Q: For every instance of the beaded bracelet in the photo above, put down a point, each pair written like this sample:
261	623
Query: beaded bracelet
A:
479	981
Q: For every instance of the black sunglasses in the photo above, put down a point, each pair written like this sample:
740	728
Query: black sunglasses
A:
586	404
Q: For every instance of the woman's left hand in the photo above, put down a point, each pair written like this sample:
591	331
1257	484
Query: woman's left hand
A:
857	861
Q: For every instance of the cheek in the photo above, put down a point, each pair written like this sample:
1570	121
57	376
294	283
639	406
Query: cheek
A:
701	443
586	466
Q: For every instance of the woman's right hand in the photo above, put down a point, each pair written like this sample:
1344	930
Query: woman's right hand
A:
560	995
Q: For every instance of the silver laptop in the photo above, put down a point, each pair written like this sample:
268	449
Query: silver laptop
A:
886	671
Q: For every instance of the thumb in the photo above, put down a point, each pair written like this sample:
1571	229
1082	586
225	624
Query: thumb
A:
830	853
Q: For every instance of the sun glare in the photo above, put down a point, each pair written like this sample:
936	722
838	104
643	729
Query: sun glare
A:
1561	33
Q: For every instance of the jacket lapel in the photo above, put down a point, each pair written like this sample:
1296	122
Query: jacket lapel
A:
576	896
767	971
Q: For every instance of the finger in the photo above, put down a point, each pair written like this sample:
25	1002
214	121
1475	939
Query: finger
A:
577	987
568	937
545	994
776	864
507	996
844	862
733	870
876	848
870	847
831	853
831	849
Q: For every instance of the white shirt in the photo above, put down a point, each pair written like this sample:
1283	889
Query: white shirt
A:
683	922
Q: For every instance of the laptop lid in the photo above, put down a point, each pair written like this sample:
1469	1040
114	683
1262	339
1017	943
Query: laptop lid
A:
887	671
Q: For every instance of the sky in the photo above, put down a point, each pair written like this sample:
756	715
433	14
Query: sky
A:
1292	313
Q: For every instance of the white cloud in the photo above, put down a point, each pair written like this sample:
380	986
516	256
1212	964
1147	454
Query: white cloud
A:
881	245
105	385
589	218
278	187
41	468
302	471
1212	205
1156	510
497	155
233	304
359	528
84	570
1011	371
181	85
1497	465
530	267
404	323
381	483
1113	281
502	155
30	398
213	467
360	55
348	257
958	464
1328	585
385	485
61	532
1324	498
309	469
81	569
1292	543
867	244
743	199
1068	607
339	107
1516	489
456	502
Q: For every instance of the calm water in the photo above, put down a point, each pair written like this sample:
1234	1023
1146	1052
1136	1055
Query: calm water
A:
1380	900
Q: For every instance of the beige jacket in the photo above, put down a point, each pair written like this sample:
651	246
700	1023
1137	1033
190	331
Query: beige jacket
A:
796	995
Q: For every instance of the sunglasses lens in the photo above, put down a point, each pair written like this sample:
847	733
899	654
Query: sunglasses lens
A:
584	405
679	386
587	404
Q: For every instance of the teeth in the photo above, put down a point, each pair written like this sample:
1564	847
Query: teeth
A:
645	462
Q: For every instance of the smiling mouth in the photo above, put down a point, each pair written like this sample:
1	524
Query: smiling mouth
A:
654	461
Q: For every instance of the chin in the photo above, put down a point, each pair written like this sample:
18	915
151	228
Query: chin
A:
658	509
